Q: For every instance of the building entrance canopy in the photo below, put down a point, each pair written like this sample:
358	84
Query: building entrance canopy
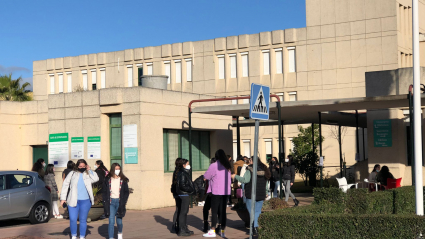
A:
334	111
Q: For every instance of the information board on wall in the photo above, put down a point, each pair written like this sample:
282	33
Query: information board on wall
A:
131	155
130	136
59	149
77	147
93	147
382	133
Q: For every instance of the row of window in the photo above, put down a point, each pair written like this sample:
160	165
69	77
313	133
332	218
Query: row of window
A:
69	80
266	63
292	97
246	143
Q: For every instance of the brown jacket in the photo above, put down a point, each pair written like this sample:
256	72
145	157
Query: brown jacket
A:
236	165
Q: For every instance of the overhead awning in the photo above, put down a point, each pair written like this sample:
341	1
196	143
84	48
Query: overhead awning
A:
301	112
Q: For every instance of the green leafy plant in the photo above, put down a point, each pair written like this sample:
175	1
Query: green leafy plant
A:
274	204
12	90
97	195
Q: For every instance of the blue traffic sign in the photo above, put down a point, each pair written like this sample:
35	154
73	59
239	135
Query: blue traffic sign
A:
259	102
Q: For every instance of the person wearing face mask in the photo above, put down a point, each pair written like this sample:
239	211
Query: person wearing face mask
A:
115	199
288	177
184	188
80	197
372	177
38	167
101	172
49	180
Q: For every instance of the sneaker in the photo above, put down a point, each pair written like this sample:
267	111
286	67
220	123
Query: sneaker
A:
201	204
210	233
222	234
73	237
268	198
82	237
120	236
59	217
230	205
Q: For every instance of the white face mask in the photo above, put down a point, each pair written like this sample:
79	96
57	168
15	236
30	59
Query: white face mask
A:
286	160
95	167
117	172
187	167
44	164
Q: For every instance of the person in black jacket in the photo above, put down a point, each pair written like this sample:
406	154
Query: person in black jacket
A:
184	188
115	199
101	171
200	189
288	177
39	167
275	179
175	227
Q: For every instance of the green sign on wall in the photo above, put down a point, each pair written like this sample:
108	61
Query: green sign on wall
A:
131	155
382	133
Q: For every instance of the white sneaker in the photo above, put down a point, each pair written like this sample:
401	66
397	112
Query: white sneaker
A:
210	233
82	237
74	238
120	236
268	198
59	217
201	204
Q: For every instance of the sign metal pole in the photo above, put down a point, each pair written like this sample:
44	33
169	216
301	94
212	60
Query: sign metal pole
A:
254	179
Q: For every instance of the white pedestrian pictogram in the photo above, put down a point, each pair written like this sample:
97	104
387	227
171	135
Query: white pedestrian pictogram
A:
259	107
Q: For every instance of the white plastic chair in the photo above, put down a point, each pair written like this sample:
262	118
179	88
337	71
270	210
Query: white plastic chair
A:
342	182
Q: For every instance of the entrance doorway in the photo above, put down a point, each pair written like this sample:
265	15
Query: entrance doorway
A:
40	151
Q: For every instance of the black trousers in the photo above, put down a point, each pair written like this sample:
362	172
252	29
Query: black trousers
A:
184	210
177	212
201	195
207	207
218	210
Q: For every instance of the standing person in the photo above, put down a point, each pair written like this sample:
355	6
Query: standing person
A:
207	204
263	175
275	172
69	168
232	171
38	167
49	180
80	197
101	172
219	177
184	188
288	171
175	227
115	199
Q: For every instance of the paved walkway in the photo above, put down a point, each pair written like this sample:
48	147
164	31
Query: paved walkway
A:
155	223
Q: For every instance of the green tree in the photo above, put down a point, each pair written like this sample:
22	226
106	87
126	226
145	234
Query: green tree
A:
305	158
11	90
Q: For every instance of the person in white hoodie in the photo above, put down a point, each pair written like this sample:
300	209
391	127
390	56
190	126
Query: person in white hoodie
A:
80	197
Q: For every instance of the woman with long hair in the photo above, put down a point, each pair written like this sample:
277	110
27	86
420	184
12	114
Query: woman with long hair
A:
49	180
219	178
69	168
184	188
373	177
383	175
80	197
175	227
115	199
102	172
288	177
39	167
263	175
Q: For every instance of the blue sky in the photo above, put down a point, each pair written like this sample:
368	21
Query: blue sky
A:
38	30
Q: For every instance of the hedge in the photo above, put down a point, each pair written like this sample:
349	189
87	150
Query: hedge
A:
280	224
404	200
380	202
328	195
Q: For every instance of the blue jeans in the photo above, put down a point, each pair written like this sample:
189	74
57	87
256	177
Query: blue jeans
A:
115	203
81	210
258	207
276	186
243	190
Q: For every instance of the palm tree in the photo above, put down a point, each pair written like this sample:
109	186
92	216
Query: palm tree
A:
12	90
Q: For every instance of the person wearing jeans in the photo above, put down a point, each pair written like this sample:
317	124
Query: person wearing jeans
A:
115	198
80	197
263	175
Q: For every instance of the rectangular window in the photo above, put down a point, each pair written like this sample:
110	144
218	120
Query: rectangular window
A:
269	149
221	66
93	79
176	144
280	96
245	101
150	68
234	102
102	78
266	62
292	96
233	66
245	71
130	75
279	65
178	71
52	83
139	73
115	138
189	70
247	147
291	60
235	150
69	81
60	76
85	81
167	69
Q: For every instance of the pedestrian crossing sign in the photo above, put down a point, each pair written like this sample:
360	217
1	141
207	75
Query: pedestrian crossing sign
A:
259	102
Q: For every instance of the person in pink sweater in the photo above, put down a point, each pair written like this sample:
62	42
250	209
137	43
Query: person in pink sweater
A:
219	177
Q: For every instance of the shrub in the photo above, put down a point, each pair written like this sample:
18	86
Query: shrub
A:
357	201
328	195
274	204
280	224
325	208
380	202
404	200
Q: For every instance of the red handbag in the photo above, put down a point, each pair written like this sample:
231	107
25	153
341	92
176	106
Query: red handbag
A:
239	193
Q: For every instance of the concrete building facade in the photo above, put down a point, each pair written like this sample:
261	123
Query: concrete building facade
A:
328	59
